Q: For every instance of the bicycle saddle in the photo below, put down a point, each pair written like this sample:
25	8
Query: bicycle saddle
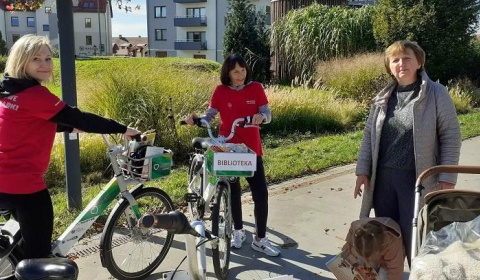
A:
199	143
46	268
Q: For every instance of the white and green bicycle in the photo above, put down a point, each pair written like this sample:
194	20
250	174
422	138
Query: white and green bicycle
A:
126	250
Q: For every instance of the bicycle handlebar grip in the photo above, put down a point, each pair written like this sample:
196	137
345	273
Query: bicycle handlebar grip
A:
137	137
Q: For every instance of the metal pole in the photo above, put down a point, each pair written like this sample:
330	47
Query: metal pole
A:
99	28
69	95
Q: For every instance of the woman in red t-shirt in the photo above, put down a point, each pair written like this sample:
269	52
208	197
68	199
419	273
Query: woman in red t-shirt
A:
239	97
29	117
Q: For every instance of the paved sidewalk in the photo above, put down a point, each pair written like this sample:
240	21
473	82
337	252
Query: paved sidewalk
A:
309	218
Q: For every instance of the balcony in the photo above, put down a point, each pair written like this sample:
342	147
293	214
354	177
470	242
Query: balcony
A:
189	1
362	2
186	21
184	45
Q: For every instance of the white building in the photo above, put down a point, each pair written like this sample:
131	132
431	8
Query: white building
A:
190	28
91	19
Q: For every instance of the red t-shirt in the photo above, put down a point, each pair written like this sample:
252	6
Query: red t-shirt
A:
233	104
26	139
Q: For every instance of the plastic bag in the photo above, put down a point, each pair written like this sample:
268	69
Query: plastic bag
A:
453	252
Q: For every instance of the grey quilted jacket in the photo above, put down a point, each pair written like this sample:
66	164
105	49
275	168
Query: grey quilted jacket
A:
436	136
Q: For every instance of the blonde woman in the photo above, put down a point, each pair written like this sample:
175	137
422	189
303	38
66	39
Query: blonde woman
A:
29	117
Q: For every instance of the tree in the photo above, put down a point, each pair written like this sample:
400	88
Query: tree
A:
247	35
3	46
443	29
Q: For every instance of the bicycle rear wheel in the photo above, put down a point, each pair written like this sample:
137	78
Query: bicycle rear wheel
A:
131	252
221	227
196	208
7	268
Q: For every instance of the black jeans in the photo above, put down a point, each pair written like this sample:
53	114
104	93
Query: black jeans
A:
258	187
34	213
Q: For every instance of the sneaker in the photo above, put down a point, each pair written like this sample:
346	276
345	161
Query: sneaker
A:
265	247
238	238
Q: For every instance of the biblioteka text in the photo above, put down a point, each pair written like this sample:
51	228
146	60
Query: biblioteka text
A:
235	162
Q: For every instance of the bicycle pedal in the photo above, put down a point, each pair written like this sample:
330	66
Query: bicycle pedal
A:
191	197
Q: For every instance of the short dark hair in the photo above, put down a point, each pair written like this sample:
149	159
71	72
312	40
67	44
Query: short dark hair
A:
229	64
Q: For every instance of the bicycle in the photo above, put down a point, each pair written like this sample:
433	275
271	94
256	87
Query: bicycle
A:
212	166
123	244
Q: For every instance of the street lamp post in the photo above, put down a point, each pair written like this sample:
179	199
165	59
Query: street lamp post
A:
99	27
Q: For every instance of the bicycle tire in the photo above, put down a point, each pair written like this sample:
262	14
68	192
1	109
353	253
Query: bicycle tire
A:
221	227
7	268
196	210
127	253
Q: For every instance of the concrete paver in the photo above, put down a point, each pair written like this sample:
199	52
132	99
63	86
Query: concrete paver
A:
309	218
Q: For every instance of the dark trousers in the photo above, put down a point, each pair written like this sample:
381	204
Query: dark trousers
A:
258	187
394	197
34	213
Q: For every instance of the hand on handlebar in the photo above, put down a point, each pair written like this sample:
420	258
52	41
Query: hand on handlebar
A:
257	119
132	132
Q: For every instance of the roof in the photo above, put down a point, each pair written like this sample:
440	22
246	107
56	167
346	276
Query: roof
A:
129	40
124	42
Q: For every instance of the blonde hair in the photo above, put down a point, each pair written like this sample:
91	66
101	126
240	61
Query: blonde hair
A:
400	47
369	239
22	52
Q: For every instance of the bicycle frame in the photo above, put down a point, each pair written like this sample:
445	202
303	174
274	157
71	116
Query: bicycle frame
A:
96	207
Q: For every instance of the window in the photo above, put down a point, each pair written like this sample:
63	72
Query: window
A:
48	10
46	27
14	21
15	37
267	10
88	40
88	23
199	56
161	12
88	5
195	12
160	34
196	36
30	21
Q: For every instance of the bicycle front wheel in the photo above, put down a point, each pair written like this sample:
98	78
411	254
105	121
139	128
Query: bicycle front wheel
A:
130	252
221	227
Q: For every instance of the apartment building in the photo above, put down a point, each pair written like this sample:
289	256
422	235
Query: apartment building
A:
91	19
190	28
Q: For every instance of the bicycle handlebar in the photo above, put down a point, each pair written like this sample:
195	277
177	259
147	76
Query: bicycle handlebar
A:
240	122
174	222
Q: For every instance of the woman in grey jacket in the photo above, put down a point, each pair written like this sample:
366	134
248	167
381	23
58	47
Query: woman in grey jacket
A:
411	127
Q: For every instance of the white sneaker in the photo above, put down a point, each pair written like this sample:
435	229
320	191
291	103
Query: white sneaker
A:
265	247
238	238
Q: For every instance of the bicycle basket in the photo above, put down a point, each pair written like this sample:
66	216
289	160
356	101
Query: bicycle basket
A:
146	163
229	159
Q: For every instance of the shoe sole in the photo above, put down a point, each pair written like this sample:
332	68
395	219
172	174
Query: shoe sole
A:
258	249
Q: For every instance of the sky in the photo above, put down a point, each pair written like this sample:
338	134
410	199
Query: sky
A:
131	24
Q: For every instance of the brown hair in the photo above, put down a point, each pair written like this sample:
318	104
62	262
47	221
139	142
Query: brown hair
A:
369	238
400	47
229	64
